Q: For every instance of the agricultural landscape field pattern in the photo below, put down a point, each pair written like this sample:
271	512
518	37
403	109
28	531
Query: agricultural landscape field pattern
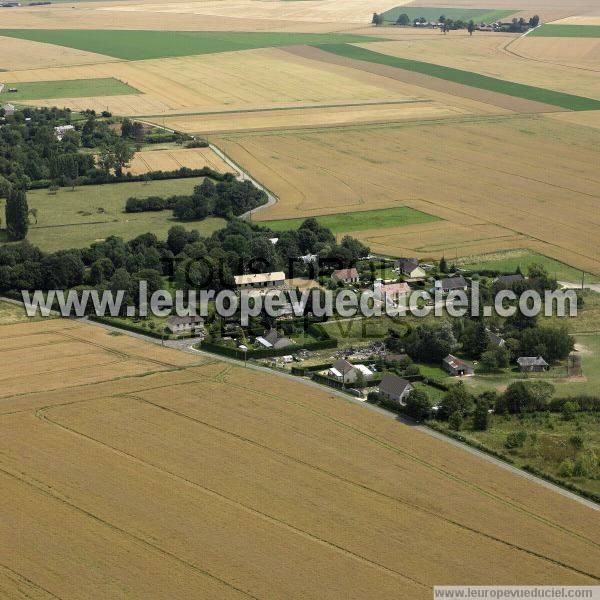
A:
328	498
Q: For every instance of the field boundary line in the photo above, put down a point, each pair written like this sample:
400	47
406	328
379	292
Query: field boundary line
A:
144	542
42	415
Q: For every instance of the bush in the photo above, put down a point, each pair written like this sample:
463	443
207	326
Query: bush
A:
516	439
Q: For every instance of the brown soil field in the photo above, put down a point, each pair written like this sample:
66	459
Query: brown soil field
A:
527	177
491	54
198	483
175	158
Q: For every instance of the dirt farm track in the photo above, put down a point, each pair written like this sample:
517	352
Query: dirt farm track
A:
133	471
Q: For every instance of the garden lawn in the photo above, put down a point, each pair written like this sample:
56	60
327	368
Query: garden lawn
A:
360	221
140	45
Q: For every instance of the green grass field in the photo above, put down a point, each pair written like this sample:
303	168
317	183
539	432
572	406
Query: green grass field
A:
575	31
509	261
69	88
547	443
476	80
75	219
479	15
359	221
140	45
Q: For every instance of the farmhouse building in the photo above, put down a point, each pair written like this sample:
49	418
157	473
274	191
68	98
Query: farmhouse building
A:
451	284
410	268
457	367
185	324
272	339
346	372
532	364
394	389
9	110
346	275
260	280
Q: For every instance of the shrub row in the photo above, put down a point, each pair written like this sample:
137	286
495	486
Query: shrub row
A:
126	326
586	403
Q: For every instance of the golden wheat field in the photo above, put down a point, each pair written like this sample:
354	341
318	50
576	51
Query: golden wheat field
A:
175	158
198	479
521	176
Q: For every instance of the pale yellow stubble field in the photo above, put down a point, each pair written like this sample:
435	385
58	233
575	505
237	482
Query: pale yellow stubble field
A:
532	177
198	482
175	158
494	55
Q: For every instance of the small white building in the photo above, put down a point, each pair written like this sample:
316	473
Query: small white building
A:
9	110
60	131
260	280
346	372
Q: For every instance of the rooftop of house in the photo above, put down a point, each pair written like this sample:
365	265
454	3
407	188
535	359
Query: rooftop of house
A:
531	361
510	278
407	264
343	366
194	320
456	362
452	282
395	288
393	385
345	273
255	278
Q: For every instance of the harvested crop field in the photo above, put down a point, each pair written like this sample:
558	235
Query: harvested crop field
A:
175	158
147	477
531	180
23	54
253	79
501	56
581	53
311	117
586	119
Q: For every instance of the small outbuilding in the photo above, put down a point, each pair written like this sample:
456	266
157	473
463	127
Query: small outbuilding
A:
457	367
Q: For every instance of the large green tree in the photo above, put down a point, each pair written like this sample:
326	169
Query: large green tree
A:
17	213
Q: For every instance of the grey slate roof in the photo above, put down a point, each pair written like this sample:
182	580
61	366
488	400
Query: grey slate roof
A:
531	361
393	385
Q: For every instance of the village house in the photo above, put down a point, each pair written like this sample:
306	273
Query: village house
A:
346	372
532	364
60	131
451	284
345	275
260	280
394	389
179	325
457	367
272	339
409	267
391	293
9	110
508	281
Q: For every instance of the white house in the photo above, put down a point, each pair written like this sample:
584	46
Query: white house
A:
410	268
346	372
260	280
